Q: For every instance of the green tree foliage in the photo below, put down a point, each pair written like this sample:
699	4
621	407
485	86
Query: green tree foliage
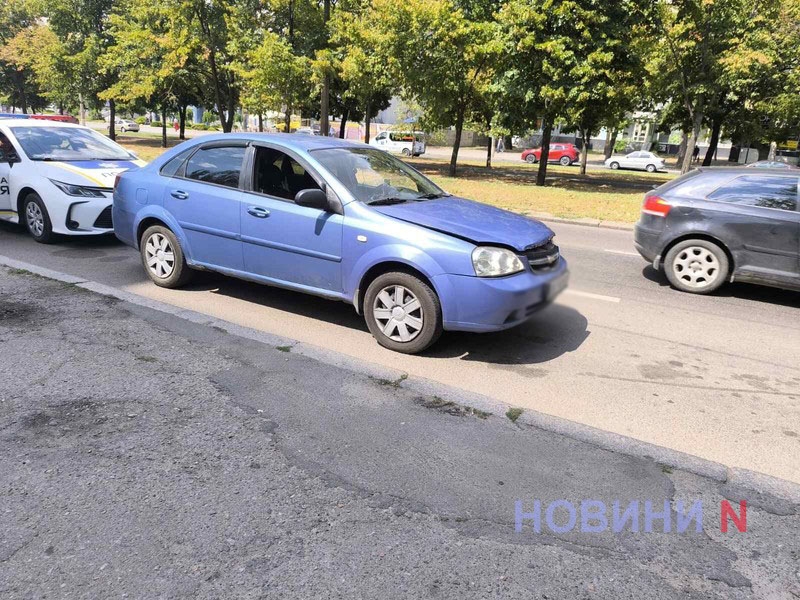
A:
442	59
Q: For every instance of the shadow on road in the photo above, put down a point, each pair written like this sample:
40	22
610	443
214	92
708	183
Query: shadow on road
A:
743	291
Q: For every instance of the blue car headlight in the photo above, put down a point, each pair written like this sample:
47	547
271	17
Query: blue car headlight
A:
495	262
82	191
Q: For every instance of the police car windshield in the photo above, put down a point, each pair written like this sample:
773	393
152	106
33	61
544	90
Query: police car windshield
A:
67	143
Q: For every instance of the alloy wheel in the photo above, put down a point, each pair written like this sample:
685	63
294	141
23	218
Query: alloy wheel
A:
34	218
398	313
159	255
696	267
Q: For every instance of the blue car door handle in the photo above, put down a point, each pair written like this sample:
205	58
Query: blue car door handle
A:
257	211
179	194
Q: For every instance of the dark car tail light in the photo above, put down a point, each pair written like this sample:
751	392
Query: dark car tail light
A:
116	180
656	206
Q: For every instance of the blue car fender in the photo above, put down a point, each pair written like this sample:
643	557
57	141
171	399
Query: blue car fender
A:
396	253
154	211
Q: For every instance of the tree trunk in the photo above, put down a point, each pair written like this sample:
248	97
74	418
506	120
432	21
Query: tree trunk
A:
611	141
690	145
182	117
773	147
61	108
713	142
489	145
508	142
457	142
343	124
324	105
260	122
81	110
164	126
547	130
584	150
112	118
287	119
367	119
682	148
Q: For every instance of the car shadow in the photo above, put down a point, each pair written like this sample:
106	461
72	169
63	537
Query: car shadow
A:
550	333
742	291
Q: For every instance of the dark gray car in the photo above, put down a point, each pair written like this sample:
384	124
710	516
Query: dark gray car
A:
724	224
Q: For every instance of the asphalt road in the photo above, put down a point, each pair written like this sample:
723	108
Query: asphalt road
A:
146	456
716	377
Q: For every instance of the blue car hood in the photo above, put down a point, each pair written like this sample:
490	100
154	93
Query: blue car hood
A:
472	221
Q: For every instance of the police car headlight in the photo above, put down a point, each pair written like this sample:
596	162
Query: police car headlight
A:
495	262
82	191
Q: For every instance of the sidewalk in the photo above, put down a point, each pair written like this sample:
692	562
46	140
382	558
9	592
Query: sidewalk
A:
143	455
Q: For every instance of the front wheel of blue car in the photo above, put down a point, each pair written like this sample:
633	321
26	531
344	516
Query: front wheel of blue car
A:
402	312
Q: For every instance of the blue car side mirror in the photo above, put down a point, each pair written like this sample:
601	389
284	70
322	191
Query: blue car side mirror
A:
312	198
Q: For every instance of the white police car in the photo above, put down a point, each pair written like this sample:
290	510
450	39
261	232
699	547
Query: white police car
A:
58	178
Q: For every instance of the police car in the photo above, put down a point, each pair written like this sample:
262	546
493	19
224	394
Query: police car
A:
58	178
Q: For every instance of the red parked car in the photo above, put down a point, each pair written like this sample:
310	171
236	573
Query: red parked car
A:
59	118
564	154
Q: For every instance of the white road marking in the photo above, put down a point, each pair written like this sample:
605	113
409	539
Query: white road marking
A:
592	296
623	252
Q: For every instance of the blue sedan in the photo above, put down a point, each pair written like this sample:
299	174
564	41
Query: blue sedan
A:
340	220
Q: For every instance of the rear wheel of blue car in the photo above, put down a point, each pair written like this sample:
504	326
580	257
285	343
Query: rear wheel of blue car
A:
402	312
162	257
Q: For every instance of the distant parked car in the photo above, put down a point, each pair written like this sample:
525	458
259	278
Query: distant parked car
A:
640	161
340	220
724	224
306	131
123	125
406	143
564	154
770	164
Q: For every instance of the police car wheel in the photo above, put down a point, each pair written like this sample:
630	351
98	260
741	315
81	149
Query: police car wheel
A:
36	219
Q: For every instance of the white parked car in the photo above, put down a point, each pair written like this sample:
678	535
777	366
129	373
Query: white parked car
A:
123	125
404	142
641	160
58	178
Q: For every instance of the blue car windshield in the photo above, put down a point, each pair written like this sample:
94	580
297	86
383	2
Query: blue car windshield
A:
376	177
67	143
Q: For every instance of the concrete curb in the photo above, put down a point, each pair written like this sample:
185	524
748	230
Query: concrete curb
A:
759	483
586	222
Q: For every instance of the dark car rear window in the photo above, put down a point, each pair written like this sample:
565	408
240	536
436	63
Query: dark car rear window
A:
763	191
695	184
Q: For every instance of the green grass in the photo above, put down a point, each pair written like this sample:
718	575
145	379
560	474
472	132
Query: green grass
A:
514	413
602	195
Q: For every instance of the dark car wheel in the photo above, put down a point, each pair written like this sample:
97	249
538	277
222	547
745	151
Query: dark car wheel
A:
36	219
406	152
402	312
614	165
565	161
162	258
531	158
651	168
696	266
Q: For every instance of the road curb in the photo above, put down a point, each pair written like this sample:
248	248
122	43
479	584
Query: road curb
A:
733	477
585	222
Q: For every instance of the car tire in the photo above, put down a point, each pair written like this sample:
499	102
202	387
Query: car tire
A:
614	166
406	152
531	159
156	247
696	266
419	317
650	168
565	161
37	220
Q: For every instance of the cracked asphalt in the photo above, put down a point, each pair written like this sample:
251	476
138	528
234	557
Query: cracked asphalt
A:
145	456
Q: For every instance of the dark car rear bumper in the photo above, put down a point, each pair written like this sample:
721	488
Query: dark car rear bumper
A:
647	242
